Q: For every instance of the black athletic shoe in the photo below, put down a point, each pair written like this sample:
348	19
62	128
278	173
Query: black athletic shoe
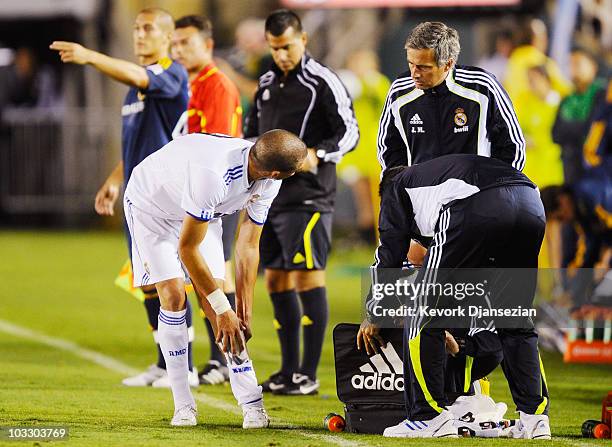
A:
275	383
301	385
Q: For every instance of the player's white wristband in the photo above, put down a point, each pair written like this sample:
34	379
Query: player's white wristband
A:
219	301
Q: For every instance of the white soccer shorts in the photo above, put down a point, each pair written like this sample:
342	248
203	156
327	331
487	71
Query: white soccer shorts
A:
155	247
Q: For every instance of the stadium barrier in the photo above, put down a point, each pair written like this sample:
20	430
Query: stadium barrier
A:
53	160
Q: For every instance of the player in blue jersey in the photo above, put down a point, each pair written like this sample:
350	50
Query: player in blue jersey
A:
157	97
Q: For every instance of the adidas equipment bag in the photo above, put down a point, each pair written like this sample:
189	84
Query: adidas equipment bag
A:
371	388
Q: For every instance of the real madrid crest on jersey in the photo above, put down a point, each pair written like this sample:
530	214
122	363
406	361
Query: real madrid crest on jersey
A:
460	121
141	96
460	117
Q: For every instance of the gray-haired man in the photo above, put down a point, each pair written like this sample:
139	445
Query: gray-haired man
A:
439	108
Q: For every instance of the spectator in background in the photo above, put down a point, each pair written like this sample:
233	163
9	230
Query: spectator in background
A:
249	58
497	62
587	207
360	169
575	113
598	145
252	56
532	42
25	83
536	111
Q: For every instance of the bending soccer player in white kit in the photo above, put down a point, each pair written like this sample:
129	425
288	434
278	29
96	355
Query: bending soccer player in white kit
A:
173	204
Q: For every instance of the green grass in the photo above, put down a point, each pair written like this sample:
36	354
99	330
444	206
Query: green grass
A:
61	284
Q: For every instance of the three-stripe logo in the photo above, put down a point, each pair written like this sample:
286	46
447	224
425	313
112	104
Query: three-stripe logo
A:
384	372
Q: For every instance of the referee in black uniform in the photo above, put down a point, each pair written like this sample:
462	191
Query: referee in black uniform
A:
481	213
305	97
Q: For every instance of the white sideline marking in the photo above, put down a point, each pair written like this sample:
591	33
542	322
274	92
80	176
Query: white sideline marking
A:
67	345
118	366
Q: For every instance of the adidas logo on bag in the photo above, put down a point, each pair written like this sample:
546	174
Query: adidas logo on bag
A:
383	372
416	119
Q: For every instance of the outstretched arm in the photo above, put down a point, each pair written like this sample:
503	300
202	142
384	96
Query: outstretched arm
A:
123	71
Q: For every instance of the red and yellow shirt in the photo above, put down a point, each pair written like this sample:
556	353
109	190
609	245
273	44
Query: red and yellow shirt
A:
214	106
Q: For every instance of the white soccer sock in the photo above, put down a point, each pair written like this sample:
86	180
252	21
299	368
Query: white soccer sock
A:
243	380
173	340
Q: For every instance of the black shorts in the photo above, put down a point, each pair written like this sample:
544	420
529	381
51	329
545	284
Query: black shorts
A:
229	224
296	240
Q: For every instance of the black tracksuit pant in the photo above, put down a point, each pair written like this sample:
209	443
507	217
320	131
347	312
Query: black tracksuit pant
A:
499	228
478	357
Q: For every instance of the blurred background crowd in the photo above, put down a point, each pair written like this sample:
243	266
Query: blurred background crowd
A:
60	125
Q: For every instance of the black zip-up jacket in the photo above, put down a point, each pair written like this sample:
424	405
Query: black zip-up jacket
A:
468	113
312	103
412	202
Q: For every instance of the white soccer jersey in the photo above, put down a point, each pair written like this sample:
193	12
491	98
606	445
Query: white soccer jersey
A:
203	175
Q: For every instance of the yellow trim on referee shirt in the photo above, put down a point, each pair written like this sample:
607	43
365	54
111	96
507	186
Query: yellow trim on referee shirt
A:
414	346
307	245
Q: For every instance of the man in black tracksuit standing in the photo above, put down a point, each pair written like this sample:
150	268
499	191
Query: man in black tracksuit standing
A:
305	97
481	213
438	107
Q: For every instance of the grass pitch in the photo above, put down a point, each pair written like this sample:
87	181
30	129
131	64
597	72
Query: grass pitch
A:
60	285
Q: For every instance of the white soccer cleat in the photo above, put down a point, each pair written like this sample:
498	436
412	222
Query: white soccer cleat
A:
185	417
478	415
214	373
441	426
164	381
531	426
145	378
255	417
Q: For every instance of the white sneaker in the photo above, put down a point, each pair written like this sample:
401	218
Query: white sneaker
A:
531	426
255	417
185	417
145	378
478	415
214	373
439	427
164	381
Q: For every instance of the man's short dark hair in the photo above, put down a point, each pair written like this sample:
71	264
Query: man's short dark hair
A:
279	150
388	177
201	23
550	196
280	20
